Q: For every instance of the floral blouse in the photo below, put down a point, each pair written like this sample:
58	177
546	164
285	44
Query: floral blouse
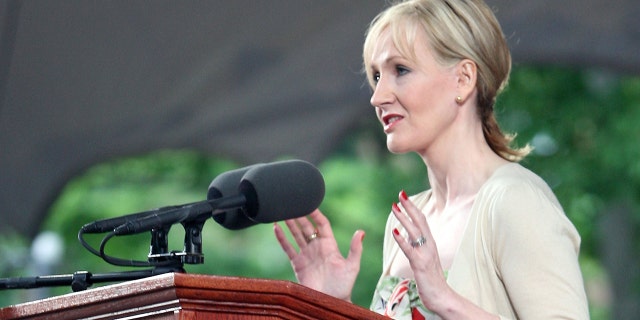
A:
398	298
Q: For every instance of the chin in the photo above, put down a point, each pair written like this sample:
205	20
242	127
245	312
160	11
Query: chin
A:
395	148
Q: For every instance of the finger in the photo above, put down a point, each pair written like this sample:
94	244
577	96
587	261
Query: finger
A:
355	250
410	208
307	227
406	222
417	217
402	242
287	247
416	237
296	232
322	224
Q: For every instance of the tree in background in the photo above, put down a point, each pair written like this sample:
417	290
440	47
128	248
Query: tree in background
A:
584	126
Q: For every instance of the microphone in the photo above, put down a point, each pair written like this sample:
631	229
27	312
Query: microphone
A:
282	191
266	193
227	184
105	225
224	184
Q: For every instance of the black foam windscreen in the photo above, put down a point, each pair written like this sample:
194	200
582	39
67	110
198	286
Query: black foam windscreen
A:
282	190
226	185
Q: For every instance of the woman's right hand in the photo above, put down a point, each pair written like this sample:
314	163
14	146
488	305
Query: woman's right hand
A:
318	263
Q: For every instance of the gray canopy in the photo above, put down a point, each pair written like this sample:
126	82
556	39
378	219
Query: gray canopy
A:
85	81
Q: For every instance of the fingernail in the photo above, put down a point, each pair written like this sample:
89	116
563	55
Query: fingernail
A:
403	195
395	207
396	232
362	237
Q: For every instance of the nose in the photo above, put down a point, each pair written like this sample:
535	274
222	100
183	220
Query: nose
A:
382	94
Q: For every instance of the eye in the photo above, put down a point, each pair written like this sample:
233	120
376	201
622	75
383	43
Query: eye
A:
376	77
401	70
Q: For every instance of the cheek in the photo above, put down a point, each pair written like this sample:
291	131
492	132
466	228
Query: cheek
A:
434	97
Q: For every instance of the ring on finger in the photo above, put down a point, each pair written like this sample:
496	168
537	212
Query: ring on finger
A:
418	242
312	237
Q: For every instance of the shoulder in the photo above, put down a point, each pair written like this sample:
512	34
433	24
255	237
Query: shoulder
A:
516	199
514	174
513	184
516	203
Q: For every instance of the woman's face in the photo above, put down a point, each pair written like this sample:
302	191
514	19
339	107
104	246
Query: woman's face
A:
414	100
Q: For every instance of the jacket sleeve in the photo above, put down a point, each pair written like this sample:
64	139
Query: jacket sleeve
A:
535	250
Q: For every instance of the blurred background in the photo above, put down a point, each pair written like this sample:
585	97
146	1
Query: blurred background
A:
111	108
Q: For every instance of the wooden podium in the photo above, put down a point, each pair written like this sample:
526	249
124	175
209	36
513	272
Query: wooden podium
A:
191	296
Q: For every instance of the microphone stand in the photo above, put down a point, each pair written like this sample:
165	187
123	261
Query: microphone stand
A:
81	280
159	254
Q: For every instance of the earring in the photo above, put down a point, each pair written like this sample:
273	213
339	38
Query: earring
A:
459	99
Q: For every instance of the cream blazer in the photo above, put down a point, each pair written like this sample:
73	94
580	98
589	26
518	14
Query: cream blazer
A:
519	254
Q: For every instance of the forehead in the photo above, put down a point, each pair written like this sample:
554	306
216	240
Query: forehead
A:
410	44
383	48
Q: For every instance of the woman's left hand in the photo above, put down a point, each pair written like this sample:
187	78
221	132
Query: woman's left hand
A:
420	248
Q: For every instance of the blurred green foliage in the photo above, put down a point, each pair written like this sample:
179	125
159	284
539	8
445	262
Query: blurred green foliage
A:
582	124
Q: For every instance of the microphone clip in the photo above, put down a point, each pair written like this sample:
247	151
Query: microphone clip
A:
192	254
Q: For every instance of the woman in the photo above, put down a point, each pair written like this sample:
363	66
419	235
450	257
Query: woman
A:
489	239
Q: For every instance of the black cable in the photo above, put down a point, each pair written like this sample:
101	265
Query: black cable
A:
87	245
118	261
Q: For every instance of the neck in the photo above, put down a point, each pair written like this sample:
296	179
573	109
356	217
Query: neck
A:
458	170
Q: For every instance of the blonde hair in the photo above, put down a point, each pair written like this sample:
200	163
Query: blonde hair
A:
456	30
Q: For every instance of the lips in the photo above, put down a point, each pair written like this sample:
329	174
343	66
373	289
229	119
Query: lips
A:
391	120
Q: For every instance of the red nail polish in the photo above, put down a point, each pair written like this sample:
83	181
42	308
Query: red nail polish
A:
396	232
403	195
395	207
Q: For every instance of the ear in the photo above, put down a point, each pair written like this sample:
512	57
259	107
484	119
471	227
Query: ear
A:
467	76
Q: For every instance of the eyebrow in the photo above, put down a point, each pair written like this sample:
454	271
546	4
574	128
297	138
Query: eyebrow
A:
390	60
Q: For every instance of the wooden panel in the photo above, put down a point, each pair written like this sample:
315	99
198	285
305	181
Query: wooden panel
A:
192	297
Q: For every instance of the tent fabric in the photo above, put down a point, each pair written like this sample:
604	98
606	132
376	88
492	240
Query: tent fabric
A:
83	82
